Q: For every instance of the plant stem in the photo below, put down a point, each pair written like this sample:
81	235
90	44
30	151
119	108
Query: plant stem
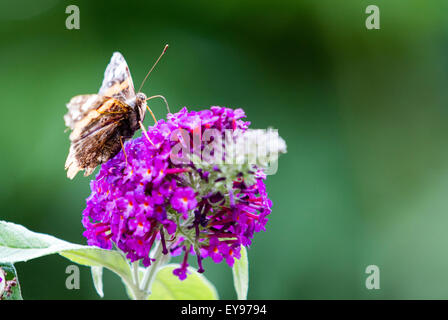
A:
135	275
133	288
151	271
160	260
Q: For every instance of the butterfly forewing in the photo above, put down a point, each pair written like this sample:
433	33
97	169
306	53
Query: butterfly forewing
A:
79	107
117	80
103	111
96	131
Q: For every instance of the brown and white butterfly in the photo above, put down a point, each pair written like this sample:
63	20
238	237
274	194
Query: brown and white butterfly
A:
101	122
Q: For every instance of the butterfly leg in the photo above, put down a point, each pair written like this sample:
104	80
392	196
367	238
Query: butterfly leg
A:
145	132
124	151
152	114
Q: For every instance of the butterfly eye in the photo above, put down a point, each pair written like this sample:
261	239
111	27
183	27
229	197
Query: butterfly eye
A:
141	96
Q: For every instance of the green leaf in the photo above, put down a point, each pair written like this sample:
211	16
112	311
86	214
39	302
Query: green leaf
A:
96	257
240	272
8	273
167	286
97	276
17	244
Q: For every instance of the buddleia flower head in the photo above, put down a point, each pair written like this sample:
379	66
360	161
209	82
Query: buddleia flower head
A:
176	185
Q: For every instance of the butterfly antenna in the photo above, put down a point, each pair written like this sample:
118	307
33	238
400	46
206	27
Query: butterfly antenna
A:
161	97
163	52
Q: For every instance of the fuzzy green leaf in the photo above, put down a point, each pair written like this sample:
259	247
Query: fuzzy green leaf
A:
97	277
167	286
18	244
241	275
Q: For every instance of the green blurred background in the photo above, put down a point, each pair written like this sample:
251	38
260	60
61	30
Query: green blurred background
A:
363	112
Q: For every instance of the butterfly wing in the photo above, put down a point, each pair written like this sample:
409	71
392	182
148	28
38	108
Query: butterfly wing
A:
97	123
79	106
117	82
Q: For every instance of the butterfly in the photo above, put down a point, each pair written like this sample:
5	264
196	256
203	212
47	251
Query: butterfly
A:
100	123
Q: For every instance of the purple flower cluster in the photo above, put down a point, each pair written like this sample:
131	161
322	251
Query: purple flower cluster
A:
141	196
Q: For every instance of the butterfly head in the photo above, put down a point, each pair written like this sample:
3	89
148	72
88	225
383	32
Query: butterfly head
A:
140	105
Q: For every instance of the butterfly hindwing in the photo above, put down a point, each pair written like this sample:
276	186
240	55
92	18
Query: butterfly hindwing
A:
96	148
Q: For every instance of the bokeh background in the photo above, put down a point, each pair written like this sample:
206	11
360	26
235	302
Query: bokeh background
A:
363	112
